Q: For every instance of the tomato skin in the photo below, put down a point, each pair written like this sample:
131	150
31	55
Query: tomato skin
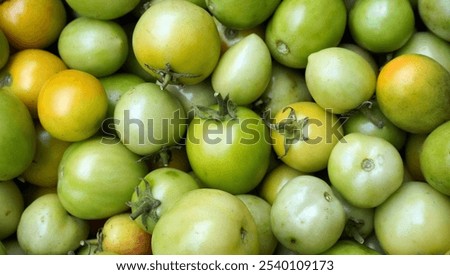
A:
45	227
293	32
11	208
214	222
348	247
17	141
414	221
102	9
366	170
96	178
177	37
232	155
306	217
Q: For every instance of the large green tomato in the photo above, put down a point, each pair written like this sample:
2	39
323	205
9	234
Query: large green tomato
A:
147	119
365	170
381	26
46	228
436	16
102	9
18	137
294	31
230	152
11	208
95	46
206	221
97	176
158	191
414	220
435	158
306	217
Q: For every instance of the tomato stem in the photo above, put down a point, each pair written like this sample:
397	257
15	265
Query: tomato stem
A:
145	206
226	110
366	109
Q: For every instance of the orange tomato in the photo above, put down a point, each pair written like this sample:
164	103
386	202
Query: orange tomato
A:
26	73
72	105
32	23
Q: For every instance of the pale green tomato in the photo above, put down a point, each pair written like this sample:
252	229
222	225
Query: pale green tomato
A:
46	228
436	16
414	220
102	9
306	217
206	222
366	170
339	79
243	82
260	210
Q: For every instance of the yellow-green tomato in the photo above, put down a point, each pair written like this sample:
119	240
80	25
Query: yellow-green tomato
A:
306	217
436	16
260	210
349	247
414	220
295	31
158	191
365	170
11	208
238	14
206	221
244	70
46	228
339	79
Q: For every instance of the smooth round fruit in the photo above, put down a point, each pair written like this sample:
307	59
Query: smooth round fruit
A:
381	26
11	208
177	41
339	79
436	16
32	24
413	92
94	46
435	158
72	105
294	31
414	221
18	138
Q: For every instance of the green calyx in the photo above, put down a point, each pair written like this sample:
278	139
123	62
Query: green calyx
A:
145	206
226	110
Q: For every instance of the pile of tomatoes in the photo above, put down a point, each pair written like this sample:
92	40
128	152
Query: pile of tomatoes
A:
224	127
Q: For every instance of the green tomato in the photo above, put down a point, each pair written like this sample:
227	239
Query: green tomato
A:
4	49
239	15
147	119
213	222
11	208
18	138
97	177
294	31
306	217
435	158
229	152
414	220
436	16
429	44
286	86
366	170
339	79
95	46
102	9
381	26
260	210
364	53
349	247
369	120
243	82
45	227
158	191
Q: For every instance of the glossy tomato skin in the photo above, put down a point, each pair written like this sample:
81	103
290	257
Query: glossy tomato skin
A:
96	178
214	222
11	208
414	221
233	154
45	227
102	9
17	141
366	170
293	32
177	37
